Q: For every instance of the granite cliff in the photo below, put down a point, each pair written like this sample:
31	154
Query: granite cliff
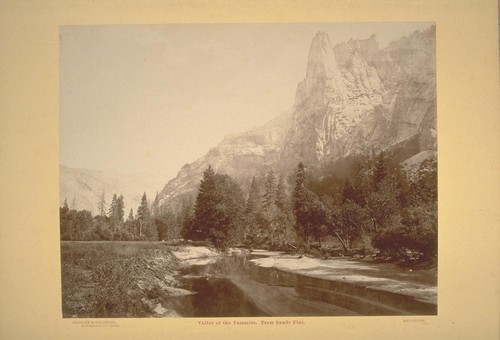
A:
355	98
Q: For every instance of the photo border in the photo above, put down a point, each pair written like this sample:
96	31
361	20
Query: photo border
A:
468	142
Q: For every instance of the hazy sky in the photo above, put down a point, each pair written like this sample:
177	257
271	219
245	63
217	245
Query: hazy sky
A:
147	99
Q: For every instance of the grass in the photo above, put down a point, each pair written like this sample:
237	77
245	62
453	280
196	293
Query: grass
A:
121	249
100	279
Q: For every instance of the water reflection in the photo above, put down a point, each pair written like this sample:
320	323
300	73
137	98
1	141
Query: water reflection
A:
233	286
214	297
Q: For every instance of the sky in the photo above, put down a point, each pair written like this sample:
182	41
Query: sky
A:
147	99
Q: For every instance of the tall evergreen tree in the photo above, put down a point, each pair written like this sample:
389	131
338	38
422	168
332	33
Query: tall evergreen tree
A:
253	201
130	225
147	229
252	212
281	197
116	213
284	219
300	202
270	210
120	209
204	205
102	204
130	217
185	217
143	213
269	197
218	210
112	207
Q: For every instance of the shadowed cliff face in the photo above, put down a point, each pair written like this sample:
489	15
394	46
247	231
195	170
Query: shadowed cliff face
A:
355	98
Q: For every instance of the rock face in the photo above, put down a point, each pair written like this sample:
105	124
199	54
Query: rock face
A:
241	156
335	105
355	98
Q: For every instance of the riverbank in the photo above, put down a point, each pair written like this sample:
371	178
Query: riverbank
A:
419	284
117	279
135	279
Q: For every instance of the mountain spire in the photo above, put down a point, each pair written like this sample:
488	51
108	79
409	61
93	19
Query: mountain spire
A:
322	75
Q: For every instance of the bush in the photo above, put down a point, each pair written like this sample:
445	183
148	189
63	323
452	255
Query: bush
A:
396	242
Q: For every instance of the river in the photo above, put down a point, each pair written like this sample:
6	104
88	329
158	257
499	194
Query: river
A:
244	285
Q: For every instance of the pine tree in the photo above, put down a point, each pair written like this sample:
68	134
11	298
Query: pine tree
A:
281	198
143	213
112	208
185	217
269	208
147	228
300	202
227	226
112	214
102	205
116	213
300	188
204	206
252	205
130	217
269	197
120	206
252	212
130	226
284	218
218	210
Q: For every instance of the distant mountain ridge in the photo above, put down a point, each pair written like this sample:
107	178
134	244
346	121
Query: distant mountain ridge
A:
83	188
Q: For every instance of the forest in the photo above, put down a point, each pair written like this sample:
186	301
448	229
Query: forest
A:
363	204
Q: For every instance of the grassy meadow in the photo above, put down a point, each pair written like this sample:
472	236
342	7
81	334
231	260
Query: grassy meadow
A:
113	279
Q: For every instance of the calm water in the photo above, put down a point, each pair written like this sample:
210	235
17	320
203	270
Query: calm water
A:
233	286
215	297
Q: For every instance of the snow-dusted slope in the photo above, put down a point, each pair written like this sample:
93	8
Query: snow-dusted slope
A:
83	188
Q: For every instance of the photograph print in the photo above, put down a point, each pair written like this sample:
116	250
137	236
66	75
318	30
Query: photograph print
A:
240	170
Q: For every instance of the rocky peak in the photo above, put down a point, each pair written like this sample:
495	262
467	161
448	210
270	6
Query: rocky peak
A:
321	60
334	98
323	75
366	48
355	98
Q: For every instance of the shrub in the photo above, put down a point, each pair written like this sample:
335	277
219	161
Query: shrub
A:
395	242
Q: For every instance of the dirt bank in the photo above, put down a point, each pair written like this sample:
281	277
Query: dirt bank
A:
108	279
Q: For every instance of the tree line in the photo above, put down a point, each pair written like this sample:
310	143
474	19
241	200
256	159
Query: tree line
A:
80	225
379	207
368	204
